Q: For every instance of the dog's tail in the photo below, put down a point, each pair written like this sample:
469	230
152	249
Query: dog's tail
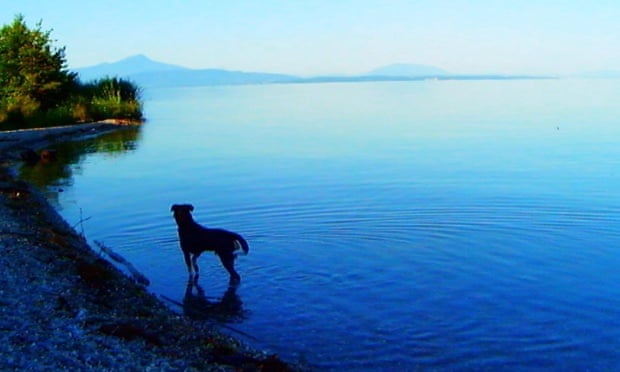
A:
240	243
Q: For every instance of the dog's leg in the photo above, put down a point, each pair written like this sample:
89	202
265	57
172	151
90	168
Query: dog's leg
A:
188	262
195	263
228	261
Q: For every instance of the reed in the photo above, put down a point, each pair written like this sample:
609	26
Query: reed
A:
112	98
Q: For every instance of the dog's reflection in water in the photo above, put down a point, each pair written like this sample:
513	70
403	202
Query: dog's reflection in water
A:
197	306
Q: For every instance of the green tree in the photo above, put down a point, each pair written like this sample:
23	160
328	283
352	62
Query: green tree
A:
33	72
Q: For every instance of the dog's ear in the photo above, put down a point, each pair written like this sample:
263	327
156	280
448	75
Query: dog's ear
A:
191	207
173	208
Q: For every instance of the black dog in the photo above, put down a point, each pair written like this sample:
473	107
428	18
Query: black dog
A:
195	239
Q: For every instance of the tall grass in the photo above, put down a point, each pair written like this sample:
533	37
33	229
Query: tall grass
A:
110	98
106	98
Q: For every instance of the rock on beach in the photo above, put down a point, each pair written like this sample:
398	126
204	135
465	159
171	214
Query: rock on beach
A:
64	307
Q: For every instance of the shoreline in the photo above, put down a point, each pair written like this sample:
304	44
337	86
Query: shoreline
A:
63	306
12	142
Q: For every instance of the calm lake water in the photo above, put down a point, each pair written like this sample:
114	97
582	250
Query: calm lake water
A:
433	225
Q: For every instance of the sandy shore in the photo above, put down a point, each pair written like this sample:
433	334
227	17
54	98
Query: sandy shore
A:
64	307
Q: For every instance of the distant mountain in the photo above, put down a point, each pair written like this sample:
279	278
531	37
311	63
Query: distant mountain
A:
148	73
126	67
408	70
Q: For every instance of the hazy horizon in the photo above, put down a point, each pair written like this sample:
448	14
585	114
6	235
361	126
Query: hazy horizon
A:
345	37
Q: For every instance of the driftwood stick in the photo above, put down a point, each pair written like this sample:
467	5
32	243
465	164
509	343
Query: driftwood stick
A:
113	255
137	276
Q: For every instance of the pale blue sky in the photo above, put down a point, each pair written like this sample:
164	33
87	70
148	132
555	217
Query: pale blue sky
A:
332	36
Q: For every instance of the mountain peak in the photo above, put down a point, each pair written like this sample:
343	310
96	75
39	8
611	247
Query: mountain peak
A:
137	57
131	65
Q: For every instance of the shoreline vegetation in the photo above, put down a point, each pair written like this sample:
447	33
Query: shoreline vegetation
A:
38	90
62	306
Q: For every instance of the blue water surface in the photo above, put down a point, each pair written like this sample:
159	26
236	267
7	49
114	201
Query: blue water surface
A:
402	225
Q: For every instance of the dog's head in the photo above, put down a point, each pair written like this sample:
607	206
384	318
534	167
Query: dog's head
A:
182	213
